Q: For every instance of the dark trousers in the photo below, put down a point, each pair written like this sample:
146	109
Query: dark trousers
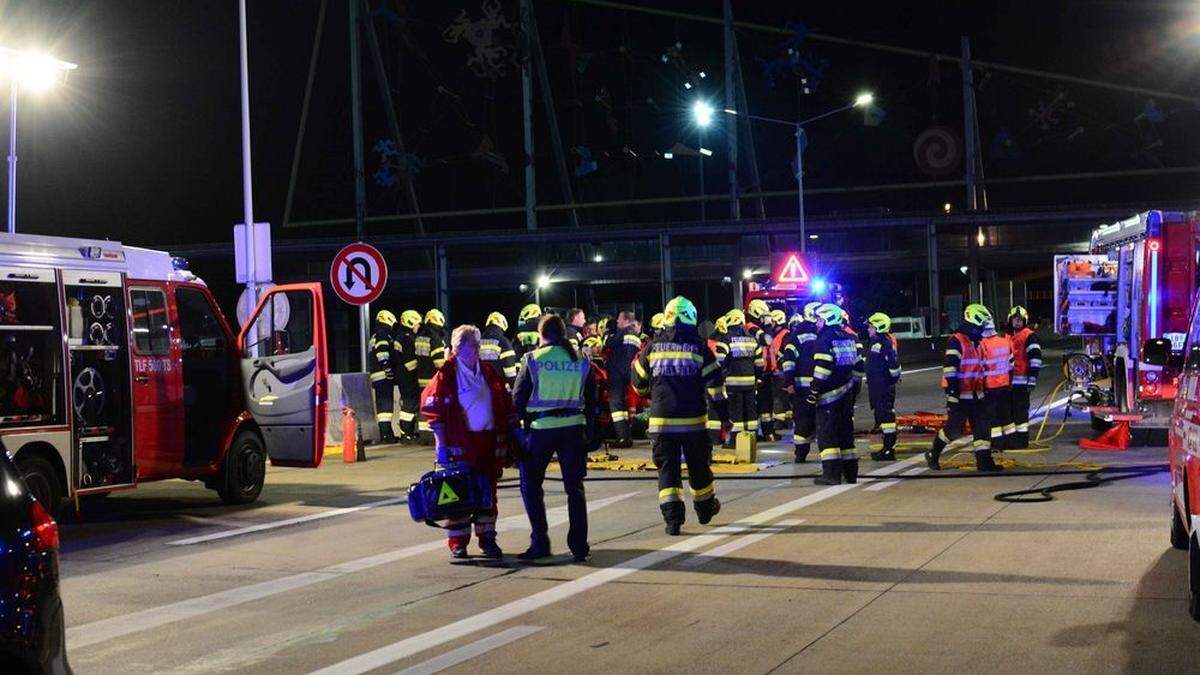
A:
695	448
544	444
883	404
410	400
764	397
970	410
743	411
999	403
835	429
781	404
804	415
619	406
718	418
384	407
1020	412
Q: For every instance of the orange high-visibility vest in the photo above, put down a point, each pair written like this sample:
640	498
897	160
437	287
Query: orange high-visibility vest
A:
1018	342
970	366
996	361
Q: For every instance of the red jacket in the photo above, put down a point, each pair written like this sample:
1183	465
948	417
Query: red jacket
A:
439	405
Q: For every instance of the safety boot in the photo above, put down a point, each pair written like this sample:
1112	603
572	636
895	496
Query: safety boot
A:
673	528
850	471
984	462
705	510
831	472
934	454
1022	440
888	452
801	455
386	437
490	548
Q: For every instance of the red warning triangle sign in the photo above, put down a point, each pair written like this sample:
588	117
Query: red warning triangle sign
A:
793	271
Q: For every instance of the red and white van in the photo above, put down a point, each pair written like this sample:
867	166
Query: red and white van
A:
117	367
1184	444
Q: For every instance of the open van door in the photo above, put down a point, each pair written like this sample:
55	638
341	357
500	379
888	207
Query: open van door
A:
285	372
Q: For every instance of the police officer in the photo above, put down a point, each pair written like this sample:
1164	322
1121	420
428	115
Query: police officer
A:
495	348
679	373
1027	363
781	403
741	357
527	335
404	354
762	328
383	377
718	408
553	394
797	366
997	386
883	373
622	347
962	380
837	368
431	354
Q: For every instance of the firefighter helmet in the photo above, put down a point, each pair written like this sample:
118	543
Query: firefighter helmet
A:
684	310
435	317
386	318
719	325
497	319
593	343
831	314
882	322
410	319
758	308
735	317
796	319
778	316
658	321
530	311
977	315
1020	311
810	311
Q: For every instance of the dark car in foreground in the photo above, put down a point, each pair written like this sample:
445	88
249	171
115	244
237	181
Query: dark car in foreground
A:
32	637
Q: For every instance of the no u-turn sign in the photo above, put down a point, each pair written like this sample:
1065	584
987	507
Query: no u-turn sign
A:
358	273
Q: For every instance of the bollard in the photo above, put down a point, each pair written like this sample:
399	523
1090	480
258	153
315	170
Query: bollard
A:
349	436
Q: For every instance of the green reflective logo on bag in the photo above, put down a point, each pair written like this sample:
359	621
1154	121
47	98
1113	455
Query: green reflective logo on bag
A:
447	495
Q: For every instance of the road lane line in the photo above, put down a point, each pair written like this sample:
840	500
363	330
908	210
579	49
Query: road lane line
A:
287	522
738	544
919	370
885	484
95	632
416	644
466	653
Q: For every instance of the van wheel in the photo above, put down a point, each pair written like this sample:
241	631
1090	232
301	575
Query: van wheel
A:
1179	533
245	469
42	481
1194	578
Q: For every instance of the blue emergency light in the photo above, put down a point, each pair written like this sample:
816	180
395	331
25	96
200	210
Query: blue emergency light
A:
819	285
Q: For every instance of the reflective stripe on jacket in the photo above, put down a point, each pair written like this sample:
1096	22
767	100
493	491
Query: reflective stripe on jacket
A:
962	370
1027	355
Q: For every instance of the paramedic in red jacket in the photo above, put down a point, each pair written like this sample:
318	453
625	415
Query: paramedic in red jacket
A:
470	412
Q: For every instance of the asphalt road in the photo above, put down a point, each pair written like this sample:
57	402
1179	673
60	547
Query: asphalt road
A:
911	574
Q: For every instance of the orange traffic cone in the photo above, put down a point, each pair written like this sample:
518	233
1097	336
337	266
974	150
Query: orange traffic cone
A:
1116	438
349	436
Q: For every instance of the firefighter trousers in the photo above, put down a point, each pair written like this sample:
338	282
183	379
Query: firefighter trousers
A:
618	405
694	447
764	397
999	403
718	418
804	416
743	409
1020	415
781	405
835	429
975	411
384	408
410	404
883	404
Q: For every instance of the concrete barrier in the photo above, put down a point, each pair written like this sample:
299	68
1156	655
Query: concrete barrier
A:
351	390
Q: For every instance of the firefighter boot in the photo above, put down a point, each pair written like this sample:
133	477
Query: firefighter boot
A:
849	470
706	509
385	433
984	463
934	454
801	453
1022	440
673	516
831	472
888	452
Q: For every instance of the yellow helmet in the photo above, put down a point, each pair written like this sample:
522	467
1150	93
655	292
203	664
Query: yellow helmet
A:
410	319
658	321
386	318
978	315
602	325
593	342
435	317
530	311
810	311
882	322
778	316
1020	311
796	318
831	314
719	325
497	319
735	317
758	308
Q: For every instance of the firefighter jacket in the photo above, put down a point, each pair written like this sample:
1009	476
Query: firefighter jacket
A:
740	355
431	352
495	349
680	374
962	367
622	347
1027	357
380	346
759	335
997	361
527	337
883	361
404	356
837	364
554	388
796	356
575	337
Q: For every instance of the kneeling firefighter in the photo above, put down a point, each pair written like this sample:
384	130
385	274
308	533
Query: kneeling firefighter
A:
679	373
883	374
962	380
837	370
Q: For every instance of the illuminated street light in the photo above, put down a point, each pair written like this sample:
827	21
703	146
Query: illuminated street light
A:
747	273
543	281
864	99
702	113
963	269
979	238
597	258
814	236
37	73
706	152
523	287
946	207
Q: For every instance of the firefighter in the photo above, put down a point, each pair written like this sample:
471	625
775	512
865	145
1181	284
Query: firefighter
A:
797	365
622	347
741	357
657	323
718	408
404	350
431	354
997	386
383	376
837	368
762	328
495	348
883	374
781	403
680	374
962	380
527	335
1027	362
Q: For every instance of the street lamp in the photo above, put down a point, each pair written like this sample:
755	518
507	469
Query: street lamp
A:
37	73
862	100
702	115
543	281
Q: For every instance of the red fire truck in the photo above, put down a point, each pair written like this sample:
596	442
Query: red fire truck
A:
1129	298
117	367
792	283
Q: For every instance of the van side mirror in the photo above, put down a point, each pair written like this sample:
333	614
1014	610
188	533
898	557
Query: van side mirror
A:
1156	352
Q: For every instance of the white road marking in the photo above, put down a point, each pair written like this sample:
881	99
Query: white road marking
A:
920	370
466	653
885	484
739	543
416	644
287	522
95	632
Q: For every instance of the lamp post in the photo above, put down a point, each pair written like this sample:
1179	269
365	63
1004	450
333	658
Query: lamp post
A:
37	73
861	100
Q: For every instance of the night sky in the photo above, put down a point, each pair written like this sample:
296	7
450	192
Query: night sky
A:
143	142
